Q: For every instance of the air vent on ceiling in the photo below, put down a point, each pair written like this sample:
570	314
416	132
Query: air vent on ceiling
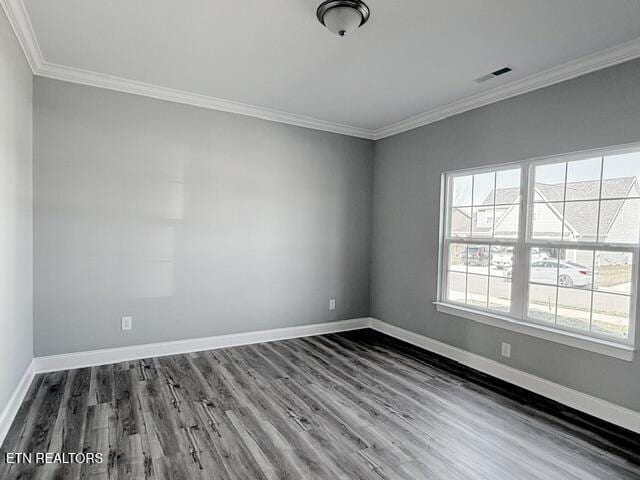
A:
489	76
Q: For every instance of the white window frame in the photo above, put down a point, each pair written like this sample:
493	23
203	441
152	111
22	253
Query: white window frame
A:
517	319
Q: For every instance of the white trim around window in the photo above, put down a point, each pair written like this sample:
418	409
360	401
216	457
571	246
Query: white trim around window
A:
591	304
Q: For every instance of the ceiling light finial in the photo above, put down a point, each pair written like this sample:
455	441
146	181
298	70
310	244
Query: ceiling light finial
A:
343	16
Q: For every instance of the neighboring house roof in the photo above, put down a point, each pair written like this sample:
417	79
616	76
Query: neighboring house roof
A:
460	221
615	188
579	216
504	196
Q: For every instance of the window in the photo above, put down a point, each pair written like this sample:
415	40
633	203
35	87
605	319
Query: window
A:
550	242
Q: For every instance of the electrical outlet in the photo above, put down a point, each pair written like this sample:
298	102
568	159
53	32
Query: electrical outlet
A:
506	350
127	323
332	304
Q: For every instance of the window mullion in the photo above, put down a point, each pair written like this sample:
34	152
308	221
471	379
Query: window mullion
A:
582	246
520	269
593	287
634	298
473	187
564	213
593	263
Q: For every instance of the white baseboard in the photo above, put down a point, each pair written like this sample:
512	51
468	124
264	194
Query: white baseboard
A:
621	416
597	407
9	412
114	355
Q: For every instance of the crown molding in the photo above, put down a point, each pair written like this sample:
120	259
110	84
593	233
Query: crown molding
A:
19	20
575	68
94	79
21	25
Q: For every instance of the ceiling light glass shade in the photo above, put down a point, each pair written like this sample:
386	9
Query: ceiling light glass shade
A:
342	20
342	17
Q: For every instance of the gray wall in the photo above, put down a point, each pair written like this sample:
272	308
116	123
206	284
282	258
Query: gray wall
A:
595	110
194	222
16	201
201	223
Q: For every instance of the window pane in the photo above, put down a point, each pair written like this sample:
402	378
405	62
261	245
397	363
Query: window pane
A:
456	286
483	188
468	281
549	182
508	186
547	221
543	253
477	259
542	303
461	195
620	221
613	272
507	221
457	253
583	179
611	314
500	294
621	175
477	289
543	266
460	223
482	222
575	269
580	221
501	260
574	308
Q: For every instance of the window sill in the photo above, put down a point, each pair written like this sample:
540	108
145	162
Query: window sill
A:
603	347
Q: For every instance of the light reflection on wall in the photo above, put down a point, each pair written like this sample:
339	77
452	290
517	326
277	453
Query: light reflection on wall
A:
156	195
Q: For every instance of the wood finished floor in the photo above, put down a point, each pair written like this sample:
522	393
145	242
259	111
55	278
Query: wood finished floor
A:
356	405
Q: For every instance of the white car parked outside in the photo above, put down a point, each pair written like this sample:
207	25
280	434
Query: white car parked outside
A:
568	274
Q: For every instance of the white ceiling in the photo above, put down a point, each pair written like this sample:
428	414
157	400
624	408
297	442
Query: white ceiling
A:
413	56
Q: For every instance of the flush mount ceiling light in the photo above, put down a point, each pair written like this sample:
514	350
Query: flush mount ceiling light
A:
343	16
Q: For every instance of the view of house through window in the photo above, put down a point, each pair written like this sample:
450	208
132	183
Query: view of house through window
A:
565	231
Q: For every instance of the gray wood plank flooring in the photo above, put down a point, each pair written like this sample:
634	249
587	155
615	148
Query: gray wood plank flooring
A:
357	405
